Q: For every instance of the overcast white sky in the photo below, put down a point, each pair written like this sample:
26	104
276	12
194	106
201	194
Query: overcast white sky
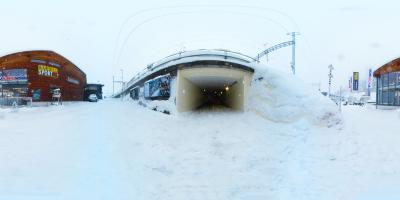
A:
102	37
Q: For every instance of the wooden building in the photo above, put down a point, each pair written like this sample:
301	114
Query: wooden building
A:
388	84
37	73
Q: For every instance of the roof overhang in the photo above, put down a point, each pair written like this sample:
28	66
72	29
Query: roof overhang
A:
391	66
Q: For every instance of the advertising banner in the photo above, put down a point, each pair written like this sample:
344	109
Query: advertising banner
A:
370	78
157	87
48	71
355	81
369	82
13	75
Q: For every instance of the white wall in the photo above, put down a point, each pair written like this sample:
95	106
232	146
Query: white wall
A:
188	96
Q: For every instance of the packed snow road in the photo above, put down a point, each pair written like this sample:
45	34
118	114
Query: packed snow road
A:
119	150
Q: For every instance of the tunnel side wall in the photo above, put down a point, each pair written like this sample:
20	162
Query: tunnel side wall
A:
188	95
235	96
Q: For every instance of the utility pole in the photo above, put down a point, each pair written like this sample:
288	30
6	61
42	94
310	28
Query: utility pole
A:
122	84
113	85
122	79
293	64
340	99
330	67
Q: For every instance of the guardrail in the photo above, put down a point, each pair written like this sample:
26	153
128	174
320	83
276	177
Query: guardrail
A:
217	53
15	101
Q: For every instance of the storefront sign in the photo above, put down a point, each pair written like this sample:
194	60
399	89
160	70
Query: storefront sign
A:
13	75
355	81
48	71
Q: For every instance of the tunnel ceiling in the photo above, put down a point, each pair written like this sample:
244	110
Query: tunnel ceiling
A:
211	82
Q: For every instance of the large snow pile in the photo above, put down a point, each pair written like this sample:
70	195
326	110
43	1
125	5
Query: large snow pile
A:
280	97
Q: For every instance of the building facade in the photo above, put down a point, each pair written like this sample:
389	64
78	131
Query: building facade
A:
93	88
388	84
37	74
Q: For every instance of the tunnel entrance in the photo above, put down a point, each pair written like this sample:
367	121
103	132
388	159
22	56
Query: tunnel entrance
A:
212	88
214	99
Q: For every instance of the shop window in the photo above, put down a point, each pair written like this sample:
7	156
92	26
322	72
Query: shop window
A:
391	97
15	90
384	80
384	97
379	90
398	79
392	79
397	98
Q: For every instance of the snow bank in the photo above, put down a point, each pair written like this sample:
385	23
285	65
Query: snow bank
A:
163	106
280	97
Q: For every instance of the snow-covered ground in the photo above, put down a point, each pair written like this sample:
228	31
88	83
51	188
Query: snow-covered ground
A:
120	150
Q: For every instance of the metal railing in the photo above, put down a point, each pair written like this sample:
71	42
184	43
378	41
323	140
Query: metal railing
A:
217	53
15	101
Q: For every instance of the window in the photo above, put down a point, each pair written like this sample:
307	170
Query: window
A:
15	90
391	97
379	95
384	97
398	79
392	79
397	98
384	80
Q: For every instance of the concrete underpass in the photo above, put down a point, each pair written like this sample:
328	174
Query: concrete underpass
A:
209	87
